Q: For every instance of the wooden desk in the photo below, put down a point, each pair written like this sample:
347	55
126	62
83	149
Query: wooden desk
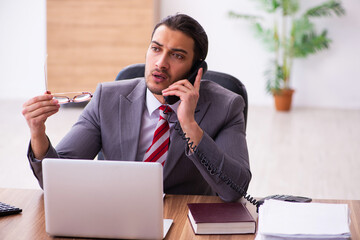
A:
31	223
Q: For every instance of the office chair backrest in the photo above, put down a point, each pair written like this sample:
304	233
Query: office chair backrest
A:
131	71
231	83
225	80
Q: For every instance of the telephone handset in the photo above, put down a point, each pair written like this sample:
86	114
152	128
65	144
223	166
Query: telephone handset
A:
193	73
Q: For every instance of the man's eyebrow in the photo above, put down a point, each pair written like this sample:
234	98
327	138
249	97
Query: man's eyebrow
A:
172	49
157	43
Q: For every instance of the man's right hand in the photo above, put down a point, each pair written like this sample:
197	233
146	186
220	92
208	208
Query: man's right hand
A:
36	111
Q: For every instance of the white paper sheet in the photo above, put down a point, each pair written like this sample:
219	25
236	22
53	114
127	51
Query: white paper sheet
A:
167	225
303	220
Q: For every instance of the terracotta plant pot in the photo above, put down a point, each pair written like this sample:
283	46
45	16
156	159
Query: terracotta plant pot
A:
283	98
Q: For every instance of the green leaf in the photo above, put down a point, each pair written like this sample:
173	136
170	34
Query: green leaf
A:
270	6
274	77
301	27
289	7
326	9
243	16
266	36
311	43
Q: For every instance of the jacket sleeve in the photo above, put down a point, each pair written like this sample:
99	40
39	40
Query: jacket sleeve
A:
36	164
222	156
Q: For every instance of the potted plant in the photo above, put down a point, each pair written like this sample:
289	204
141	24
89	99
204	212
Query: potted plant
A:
291	35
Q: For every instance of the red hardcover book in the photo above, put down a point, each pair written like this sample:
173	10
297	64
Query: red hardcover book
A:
221	218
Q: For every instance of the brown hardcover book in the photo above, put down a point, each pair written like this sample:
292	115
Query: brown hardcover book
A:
221	218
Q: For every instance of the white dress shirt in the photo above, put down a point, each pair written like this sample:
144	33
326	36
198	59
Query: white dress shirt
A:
150	118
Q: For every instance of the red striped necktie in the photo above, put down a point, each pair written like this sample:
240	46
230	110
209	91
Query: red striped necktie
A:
157	152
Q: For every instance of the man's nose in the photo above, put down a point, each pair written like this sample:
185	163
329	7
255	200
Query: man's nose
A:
162	62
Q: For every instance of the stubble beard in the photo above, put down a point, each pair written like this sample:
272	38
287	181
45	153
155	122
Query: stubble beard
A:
154	87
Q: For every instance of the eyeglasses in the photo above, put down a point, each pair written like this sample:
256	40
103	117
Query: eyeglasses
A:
67	97
74	97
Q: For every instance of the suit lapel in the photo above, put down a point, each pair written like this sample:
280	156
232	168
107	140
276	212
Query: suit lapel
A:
177	144
131	108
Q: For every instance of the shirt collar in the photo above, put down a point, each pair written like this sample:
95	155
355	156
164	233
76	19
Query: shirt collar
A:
153	104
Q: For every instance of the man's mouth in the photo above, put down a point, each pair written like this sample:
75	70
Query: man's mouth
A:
159	76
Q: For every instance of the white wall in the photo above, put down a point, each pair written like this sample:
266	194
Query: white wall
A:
22	48
329	79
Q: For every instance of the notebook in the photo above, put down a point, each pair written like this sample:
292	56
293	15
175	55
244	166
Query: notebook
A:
103	199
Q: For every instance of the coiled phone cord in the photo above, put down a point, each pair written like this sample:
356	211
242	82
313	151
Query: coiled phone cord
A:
210	167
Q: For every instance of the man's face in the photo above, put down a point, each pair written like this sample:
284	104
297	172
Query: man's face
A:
168	59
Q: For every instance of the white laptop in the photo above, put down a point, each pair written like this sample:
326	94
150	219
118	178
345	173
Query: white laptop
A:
103	199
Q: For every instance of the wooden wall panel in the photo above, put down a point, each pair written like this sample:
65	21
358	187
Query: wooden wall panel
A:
90	41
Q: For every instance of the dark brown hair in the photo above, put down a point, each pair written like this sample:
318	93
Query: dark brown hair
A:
190	27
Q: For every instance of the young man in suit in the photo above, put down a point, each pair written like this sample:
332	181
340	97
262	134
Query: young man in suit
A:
121	118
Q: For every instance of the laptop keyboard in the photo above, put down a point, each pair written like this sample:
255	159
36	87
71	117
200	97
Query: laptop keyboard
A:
6	209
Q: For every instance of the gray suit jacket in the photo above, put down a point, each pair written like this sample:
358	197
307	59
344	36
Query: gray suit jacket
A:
111	122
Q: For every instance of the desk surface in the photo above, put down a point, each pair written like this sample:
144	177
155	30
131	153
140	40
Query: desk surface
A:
31	223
